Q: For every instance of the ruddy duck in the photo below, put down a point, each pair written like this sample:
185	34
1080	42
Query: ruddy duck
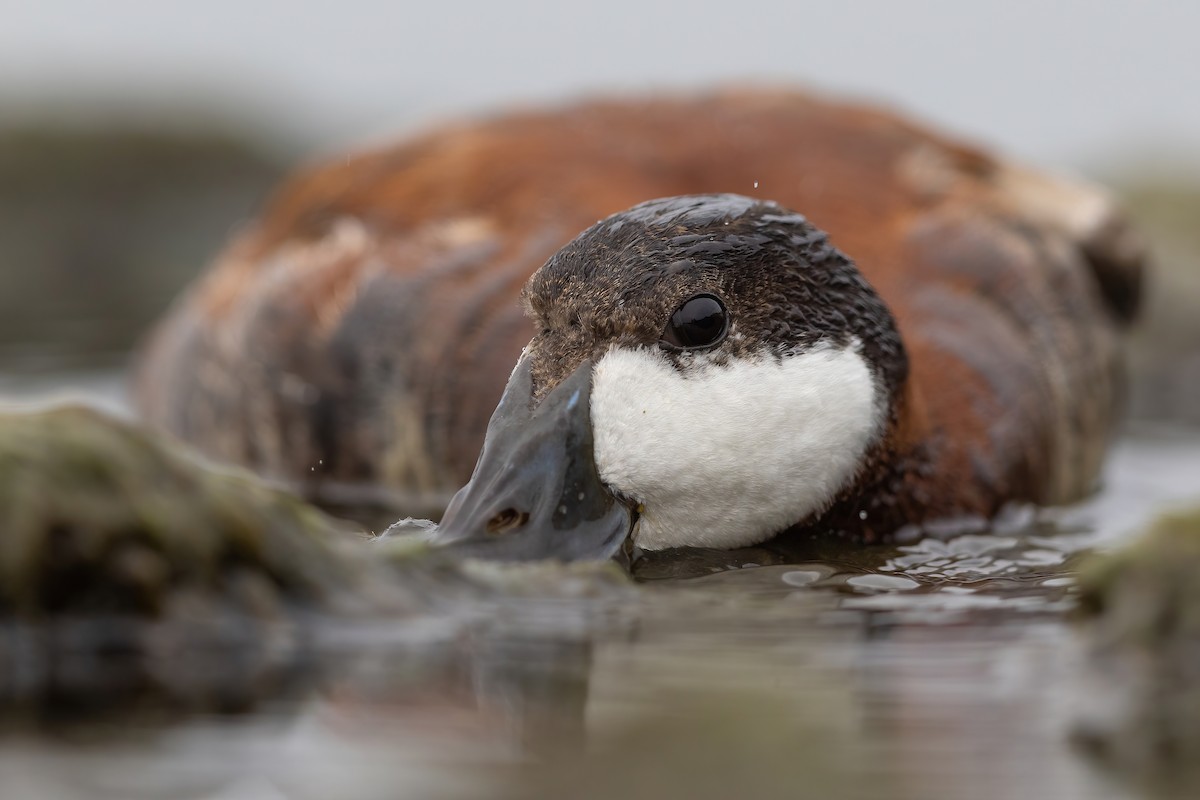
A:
723	374
710	365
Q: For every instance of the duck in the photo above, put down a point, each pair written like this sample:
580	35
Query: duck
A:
785	315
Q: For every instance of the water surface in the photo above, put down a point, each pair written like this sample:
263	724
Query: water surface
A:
943	666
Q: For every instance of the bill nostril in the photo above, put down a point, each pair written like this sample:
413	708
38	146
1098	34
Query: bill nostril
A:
507	520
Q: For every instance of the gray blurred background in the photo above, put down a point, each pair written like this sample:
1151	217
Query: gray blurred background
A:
136	134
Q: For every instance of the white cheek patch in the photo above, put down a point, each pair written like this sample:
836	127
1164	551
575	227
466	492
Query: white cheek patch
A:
727	456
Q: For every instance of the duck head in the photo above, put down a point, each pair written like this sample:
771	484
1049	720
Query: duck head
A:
708	371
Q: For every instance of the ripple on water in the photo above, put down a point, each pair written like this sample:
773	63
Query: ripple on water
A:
934	580
974	557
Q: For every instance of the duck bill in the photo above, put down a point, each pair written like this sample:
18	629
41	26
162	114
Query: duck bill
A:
535	493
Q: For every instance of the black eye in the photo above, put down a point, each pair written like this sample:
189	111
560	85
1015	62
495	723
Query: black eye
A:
699	322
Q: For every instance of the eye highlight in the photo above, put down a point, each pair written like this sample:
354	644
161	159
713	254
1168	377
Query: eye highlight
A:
700	322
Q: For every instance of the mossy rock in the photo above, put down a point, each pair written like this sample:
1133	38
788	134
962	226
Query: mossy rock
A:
1139	703
1149	591
99	517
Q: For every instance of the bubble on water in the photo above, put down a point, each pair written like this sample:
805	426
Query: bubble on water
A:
882	583
1042	558
800	577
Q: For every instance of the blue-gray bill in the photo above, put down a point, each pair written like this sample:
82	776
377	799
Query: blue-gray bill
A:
535	493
